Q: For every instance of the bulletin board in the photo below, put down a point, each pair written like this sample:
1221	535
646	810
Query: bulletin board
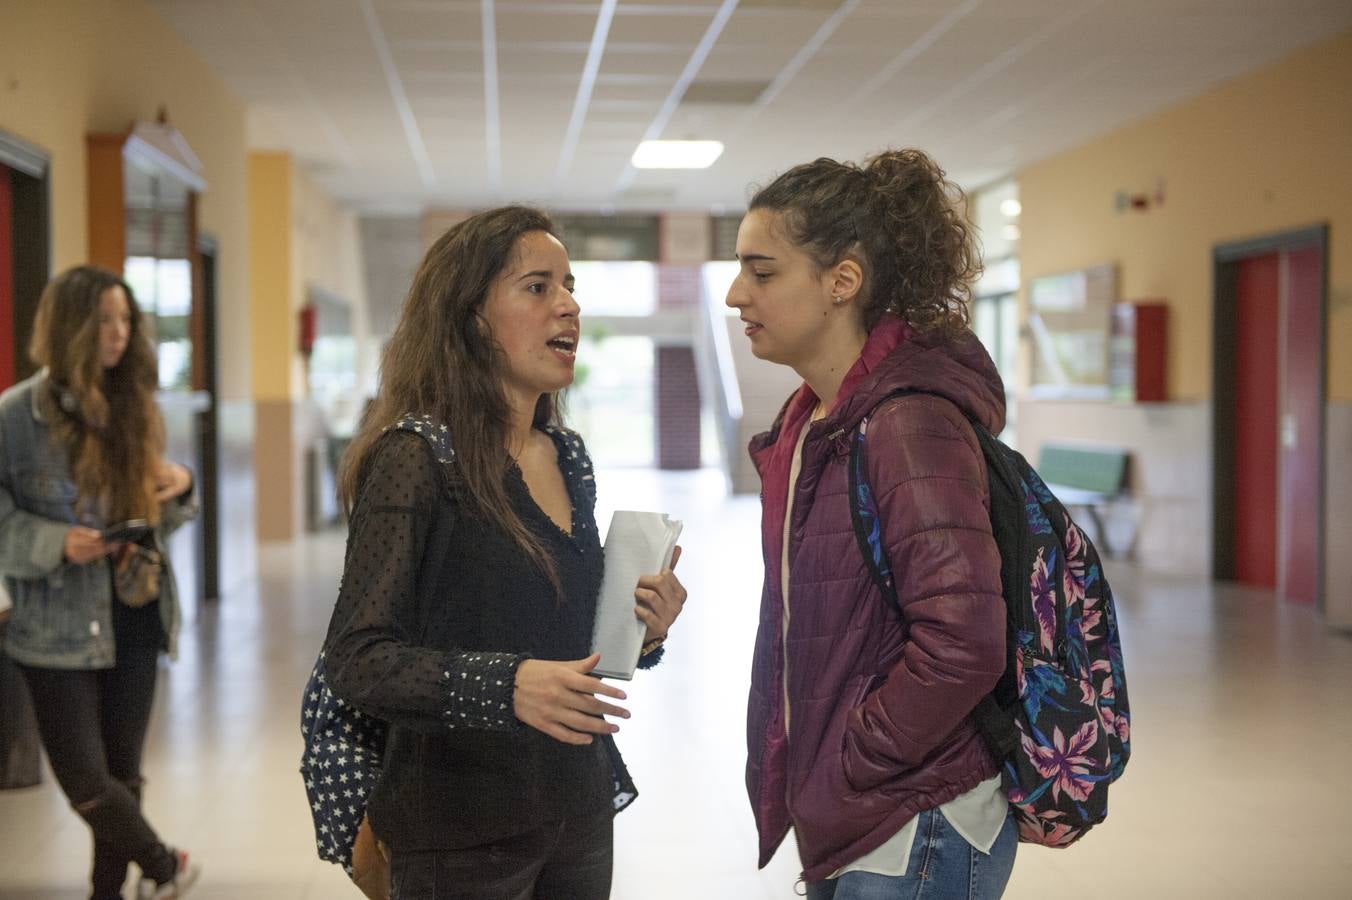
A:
1069	323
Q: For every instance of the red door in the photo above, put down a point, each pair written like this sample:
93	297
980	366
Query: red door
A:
1301	429
1256	402
7	348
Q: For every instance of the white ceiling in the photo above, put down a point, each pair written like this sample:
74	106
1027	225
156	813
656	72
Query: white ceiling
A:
397	105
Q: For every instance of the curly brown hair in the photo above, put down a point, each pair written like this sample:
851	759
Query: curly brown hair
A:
442	360
900	218
106	419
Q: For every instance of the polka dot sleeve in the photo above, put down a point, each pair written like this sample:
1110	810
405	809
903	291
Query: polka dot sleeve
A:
372	660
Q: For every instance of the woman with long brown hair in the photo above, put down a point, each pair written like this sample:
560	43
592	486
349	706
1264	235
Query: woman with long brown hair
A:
465	615
82	451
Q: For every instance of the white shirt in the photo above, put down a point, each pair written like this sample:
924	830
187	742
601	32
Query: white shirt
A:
977	815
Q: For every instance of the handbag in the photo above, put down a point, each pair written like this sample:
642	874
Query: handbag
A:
136	575
370	864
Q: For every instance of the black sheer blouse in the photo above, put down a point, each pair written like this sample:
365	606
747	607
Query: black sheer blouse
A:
436	610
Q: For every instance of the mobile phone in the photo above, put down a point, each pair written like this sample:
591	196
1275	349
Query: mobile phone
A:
126	532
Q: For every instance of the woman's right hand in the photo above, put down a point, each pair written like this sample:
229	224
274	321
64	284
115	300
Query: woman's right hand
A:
559	699
84	545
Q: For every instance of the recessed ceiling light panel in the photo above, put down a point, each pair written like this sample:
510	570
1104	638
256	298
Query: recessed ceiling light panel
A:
676	154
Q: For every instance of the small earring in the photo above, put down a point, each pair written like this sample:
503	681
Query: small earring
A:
837	299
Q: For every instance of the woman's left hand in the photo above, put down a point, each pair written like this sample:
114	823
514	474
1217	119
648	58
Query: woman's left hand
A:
660	599
172	480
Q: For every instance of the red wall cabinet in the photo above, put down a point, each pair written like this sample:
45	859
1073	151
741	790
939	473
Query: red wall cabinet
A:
1138	363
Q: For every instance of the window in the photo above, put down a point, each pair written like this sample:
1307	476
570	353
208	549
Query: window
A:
332	367
718	277
995	308
611	401
615	288
163	289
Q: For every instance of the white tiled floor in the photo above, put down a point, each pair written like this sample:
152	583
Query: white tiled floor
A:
1240	787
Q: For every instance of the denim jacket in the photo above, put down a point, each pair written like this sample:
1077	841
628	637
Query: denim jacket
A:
63	614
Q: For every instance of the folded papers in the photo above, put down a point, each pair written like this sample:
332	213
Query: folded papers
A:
637	544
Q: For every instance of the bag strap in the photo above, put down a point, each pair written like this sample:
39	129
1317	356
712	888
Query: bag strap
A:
437	435
993	721
865	520
438	439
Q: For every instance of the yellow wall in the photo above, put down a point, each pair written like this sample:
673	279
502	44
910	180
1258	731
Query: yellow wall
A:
70	67
301	239
271	275
1267	152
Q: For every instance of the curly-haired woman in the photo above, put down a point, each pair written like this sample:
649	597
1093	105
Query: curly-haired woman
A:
81	449
858	726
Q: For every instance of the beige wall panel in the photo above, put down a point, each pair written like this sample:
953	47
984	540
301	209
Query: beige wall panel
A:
1338	516
276	474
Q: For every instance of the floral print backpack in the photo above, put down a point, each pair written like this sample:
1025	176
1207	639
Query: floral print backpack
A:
1058	722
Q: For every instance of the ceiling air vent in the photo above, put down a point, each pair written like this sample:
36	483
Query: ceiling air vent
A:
824	5
649	197
622	236
729	93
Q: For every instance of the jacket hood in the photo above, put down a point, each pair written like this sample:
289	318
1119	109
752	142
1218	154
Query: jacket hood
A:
896	359
958	369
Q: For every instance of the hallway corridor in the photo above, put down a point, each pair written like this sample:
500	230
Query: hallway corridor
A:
1239	786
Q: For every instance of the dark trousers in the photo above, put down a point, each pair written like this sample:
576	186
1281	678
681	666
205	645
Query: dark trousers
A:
93	726
568	860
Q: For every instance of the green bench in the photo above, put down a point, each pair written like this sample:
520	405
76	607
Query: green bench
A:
1085	476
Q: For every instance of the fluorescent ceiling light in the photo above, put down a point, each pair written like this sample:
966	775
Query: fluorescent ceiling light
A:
1011	208
676	154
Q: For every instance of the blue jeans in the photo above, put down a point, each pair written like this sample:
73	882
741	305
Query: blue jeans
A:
943	866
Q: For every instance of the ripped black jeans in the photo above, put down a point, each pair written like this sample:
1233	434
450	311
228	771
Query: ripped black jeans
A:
93	726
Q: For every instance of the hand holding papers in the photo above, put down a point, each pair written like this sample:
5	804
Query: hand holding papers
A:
637	544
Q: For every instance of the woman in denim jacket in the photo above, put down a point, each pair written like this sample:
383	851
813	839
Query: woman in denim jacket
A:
81	449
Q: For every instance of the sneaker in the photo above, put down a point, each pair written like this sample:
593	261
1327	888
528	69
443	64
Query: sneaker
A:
185	876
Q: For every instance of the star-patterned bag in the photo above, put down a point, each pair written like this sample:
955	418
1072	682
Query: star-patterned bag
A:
342	763
344	748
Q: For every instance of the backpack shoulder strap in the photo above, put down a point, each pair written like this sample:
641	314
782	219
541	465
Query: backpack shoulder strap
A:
865	519
864	510
579	460
438	438
864	514
437	435
993	720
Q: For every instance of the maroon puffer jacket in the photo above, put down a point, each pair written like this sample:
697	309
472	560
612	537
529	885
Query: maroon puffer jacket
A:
879	706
